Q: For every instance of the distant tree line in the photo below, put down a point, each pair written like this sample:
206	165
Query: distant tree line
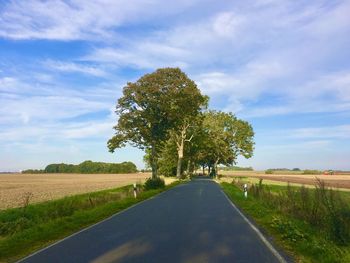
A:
33	171
277	170
87	167
284	169
236	168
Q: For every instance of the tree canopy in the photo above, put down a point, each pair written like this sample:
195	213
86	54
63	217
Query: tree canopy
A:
225	137
152	107
218	139
165	114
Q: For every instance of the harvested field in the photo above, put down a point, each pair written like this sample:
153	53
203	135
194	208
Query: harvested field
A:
336	181
16	189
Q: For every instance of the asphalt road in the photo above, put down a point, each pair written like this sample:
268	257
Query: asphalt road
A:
193	222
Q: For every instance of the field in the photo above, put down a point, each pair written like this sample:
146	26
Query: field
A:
17	189
335	181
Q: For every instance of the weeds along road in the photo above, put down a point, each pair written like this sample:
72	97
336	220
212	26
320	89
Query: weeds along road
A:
193	222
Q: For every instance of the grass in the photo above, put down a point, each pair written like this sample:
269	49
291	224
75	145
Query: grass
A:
31	227
310	224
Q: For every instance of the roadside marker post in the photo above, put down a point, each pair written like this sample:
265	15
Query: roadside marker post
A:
245	189
135	190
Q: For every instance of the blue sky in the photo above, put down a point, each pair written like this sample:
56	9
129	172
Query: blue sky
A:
284	66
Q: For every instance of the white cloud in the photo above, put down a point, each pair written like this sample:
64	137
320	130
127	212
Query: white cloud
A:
47	108
149	55
89	130
76	67
33	103
78	19
7	84
228	24
247	82
329	22
189	45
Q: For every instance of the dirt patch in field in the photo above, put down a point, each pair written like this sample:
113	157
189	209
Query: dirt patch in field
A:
16	188
330	181
335	181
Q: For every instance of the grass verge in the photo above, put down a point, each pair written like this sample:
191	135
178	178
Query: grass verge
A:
27	229
304	240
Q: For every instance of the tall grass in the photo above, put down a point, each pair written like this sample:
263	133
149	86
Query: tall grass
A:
322	207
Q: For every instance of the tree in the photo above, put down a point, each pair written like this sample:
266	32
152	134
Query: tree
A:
168	154
189	104
152	107
226	137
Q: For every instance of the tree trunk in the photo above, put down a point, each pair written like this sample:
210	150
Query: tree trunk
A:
209	168
203	169
188	167
178	168
180	154
216	167
180	151
154	162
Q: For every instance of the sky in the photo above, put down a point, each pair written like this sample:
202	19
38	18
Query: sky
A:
283	66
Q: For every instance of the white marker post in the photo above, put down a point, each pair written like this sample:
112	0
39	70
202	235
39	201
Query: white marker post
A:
135	191
245	189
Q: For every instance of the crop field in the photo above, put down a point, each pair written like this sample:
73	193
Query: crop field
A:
335	181
18	189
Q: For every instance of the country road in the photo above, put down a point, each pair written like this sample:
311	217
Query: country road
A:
193	222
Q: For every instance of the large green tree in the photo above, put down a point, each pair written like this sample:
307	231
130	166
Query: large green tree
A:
154	107
225	137
188	116
216	138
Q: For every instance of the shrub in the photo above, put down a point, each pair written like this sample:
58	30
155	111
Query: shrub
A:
269	171
154	183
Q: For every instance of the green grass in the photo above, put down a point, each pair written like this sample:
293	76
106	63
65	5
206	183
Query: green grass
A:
304	240
27	229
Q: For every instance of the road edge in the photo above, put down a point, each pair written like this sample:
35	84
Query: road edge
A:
273	250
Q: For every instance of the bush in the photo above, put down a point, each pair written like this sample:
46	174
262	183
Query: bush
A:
154	183
269	171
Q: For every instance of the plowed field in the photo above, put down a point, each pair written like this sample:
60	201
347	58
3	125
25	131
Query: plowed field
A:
335	181
16	188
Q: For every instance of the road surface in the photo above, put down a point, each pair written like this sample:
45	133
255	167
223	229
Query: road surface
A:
193	222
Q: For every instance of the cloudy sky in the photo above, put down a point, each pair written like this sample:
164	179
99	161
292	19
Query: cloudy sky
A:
284	66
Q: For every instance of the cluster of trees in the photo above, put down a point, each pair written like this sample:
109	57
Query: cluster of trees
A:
165	114
33	171
88	167
236	168
285	169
